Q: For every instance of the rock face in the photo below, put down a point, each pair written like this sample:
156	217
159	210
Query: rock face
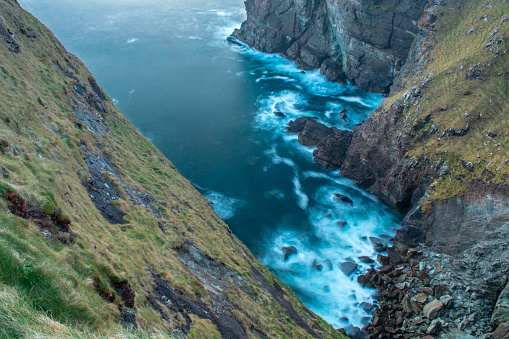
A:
469	229
364	42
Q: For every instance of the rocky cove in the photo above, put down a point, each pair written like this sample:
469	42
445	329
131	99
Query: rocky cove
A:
102	236
448	274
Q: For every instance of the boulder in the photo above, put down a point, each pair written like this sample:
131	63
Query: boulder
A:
502	331
501	311
331	152
343	198
366	260
393	255
434	327
279	114
288	251
431	309
332	71
297	125
341	223
313	133
420	298
348	267
379	244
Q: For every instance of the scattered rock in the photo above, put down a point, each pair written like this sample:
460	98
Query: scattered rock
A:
431	310
279	114
348	267
342	114
379	244
468	166
366	260
128	320
343	198
434	327
288	251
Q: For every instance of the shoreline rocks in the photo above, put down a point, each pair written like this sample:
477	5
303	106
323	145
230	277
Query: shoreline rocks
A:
427	293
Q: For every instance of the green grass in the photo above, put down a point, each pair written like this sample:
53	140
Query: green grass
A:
461	38
47	287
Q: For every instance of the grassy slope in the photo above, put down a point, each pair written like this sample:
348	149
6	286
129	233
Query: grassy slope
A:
46	287
462	34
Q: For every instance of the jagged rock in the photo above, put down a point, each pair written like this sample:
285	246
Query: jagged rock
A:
379	244
342	223
369	52
407	304
297	125
331	151
366	260
447	300
502	331
468	166
333	71
393	255
343	198
9	39
431	309
420	298
501	311
382	259
441	290
313	133
434	327
288	251
348	267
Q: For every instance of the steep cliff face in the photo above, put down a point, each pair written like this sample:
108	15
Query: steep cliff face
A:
363	42
100	236
436	147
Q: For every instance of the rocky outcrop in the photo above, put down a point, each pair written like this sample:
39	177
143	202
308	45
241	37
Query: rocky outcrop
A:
364	42
463	235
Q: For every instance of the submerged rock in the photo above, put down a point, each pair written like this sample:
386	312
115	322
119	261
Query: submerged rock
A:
379	244
288	251
343	198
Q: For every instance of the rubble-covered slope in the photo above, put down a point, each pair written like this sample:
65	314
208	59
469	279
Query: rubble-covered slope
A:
99	233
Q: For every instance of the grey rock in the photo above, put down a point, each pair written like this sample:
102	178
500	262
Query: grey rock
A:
288	251
431	309
348	267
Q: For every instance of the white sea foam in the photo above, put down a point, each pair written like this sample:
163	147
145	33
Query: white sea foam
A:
131	41
303	199
224	206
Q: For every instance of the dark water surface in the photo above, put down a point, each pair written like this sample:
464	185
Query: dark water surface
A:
209	107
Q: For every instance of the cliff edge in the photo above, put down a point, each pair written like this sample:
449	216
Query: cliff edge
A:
363	42
435	149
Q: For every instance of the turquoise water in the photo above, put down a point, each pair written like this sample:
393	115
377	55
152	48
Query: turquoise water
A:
209	106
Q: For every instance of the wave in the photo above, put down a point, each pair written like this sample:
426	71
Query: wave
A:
224	206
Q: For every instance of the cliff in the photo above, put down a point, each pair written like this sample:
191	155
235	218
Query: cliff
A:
363	42
435	149
100	236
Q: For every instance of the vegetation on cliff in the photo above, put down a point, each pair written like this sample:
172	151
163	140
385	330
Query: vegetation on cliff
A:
99	233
